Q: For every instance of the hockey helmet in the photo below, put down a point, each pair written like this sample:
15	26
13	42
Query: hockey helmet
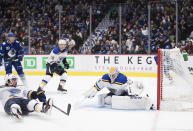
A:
11	80
10	34
62	42
168	47
113	73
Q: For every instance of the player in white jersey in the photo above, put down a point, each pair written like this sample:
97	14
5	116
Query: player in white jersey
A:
53	65
18	101
123	93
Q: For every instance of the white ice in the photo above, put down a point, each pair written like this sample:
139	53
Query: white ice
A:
90	117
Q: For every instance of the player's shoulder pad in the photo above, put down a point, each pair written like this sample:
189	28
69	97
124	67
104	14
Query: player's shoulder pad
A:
121	79
105	78
56	50
17	42
14	90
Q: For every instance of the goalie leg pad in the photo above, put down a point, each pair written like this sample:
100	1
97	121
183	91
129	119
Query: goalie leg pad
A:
104	99
131	102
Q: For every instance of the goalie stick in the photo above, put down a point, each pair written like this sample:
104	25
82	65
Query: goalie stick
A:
68	109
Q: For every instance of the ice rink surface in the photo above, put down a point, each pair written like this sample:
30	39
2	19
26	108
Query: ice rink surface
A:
90	117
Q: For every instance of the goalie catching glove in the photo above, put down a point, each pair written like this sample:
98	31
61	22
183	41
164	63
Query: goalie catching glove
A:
135	88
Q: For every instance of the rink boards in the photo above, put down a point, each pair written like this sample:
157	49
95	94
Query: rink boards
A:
95	65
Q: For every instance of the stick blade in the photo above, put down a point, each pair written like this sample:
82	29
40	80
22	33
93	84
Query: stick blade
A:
68	109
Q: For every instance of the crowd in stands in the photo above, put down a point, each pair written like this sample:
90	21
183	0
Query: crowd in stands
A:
135	28
42	18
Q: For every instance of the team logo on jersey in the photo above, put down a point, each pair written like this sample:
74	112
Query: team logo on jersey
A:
12	53
7	48
15	91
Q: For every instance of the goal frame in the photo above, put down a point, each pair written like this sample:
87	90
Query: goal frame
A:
183	98
159	81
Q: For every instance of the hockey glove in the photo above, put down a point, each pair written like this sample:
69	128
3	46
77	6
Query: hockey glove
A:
66	66
20	58
37	95
12	59
41	96
32	95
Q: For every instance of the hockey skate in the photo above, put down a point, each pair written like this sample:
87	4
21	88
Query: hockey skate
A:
16	111
47	106
61	89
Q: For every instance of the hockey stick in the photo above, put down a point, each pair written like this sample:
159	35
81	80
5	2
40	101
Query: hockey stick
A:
68	109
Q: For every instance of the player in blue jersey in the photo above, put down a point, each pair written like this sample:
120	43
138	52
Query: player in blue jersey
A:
123	92
11	52
56	58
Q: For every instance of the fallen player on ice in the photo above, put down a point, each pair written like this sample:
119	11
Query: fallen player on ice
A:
19	102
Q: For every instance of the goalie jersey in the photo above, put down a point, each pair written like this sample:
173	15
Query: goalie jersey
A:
118	87
57	55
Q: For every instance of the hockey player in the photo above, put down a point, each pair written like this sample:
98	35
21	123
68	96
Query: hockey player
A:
124	93
12	53
19	102
53	65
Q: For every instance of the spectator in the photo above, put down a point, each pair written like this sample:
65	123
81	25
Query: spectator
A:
59	7
96	49
189	47
42	16
129	44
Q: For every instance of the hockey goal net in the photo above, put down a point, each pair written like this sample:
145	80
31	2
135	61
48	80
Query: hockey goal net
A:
175	84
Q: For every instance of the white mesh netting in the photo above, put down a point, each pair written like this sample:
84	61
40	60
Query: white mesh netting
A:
176	84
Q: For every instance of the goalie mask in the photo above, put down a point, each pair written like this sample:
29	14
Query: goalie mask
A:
113	73
11	80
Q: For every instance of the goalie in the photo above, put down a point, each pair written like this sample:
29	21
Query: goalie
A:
123	93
